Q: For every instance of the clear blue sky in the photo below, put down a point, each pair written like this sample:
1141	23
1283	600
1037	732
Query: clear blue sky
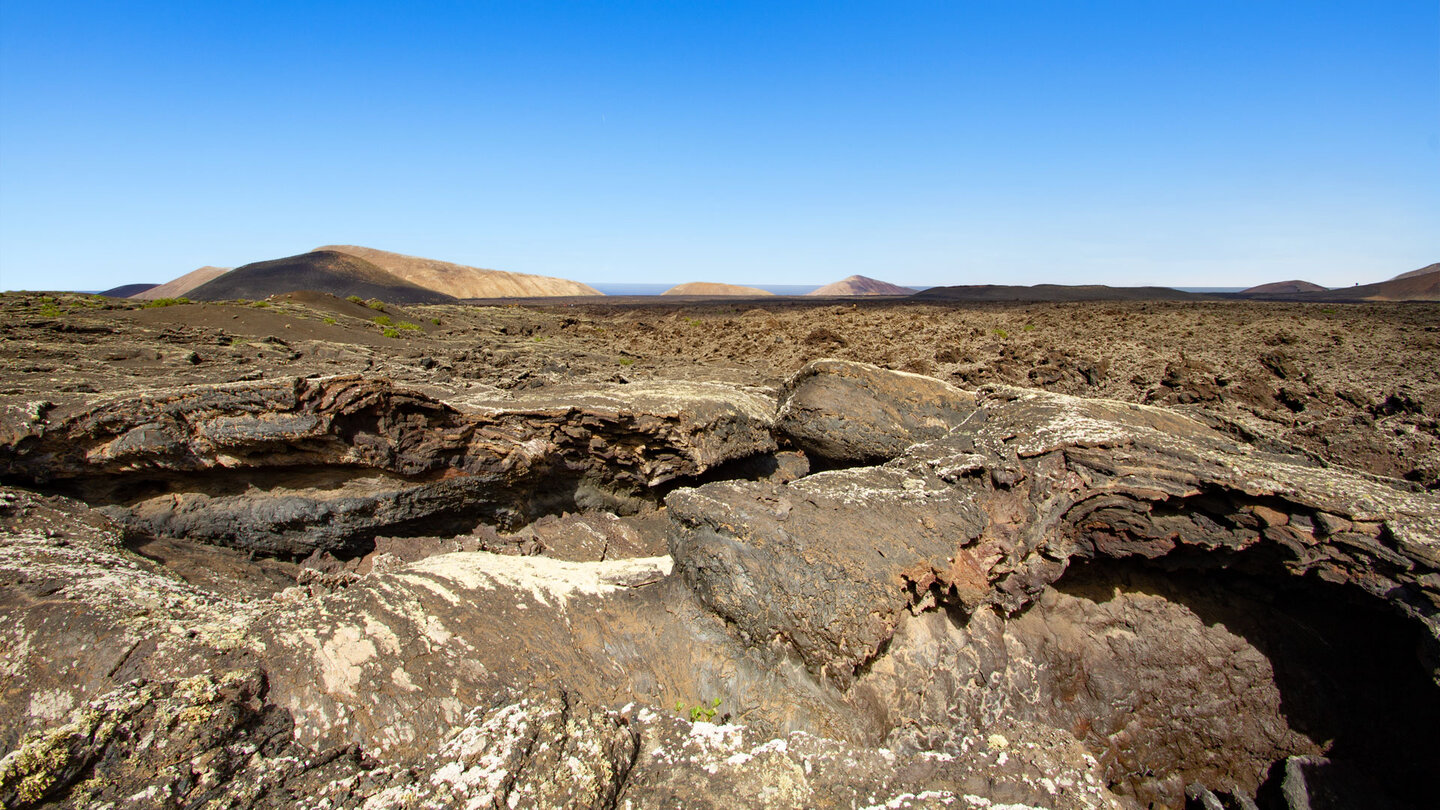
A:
1181	142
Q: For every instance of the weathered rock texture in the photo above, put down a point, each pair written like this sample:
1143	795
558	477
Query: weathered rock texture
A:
855	412
294	465
828	568
1048	601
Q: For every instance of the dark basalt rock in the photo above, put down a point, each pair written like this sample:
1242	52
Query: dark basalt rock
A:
851	412
289	467
1049	601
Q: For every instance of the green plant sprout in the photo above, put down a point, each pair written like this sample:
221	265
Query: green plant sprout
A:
700	711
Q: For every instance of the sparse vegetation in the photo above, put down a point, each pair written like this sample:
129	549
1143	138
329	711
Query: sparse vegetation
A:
383	320
261	304
164	302
354	299
1029	327
331	321
627	361
700	711
435	321
407	326
390	332
1002	334
378	306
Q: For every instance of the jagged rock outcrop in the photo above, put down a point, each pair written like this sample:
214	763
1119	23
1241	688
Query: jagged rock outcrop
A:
290	466
984	521
991	513
1049	600
855	412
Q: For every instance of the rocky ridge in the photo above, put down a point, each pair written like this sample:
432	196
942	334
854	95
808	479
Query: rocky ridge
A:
1002	593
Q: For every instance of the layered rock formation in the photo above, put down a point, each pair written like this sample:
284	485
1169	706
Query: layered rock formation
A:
1000	596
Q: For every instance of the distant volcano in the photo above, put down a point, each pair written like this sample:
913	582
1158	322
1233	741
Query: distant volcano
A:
861	285
327	271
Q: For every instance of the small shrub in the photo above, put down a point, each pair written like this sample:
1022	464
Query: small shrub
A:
1029	327
538	339
435	321
378	306
407	326
627	361
383	320
331	321
164	302
1002	334
261	304
354	299
390	332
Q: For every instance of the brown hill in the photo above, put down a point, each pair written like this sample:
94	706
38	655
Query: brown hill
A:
463	281
1417	285
715	289
327	271
1293	286
1429	268
861	285
181	287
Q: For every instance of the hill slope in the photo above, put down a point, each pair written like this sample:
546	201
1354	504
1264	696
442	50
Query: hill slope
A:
714	288
1417	285
1292	286
1429	268
180	287
1055	292
462	281
328	271
128	290
862	285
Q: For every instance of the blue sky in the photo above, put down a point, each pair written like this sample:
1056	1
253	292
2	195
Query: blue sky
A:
1183	142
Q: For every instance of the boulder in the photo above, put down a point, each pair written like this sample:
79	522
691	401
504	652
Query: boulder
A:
847	412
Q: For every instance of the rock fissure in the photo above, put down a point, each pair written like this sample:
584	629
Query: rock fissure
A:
1073	602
